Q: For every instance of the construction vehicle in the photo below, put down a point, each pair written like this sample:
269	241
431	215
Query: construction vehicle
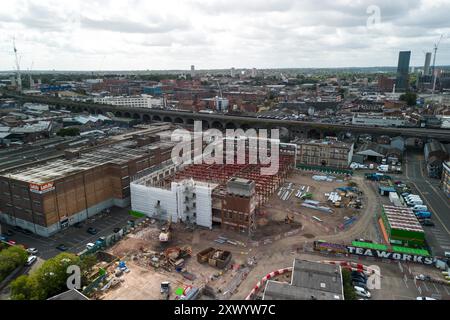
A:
289	218
166	232
165	289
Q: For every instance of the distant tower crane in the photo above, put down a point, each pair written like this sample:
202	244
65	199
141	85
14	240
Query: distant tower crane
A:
436	47
30	76
19	77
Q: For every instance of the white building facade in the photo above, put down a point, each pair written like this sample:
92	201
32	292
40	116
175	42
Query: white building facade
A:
142	101
187	201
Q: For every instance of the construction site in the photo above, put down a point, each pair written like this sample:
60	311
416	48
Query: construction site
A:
207	194
172	257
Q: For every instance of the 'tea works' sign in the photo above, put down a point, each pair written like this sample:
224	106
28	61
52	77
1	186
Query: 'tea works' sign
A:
390	255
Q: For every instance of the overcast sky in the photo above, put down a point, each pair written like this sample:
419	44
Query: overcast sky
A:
173	34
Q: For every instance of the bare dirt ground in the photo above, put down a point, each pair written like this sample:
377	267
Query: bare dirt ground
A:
143	282
280	254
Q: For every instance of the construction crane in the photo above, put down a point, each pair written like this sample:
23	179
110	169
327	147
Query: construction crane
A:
220	89
19	77
30	77
436	47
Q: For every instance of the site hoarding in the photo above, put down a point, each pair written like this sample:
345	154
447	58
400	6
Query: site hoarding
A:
374	253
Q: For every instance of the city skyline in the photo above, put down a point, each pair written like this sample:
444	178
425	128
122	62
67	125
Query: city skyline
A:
135	35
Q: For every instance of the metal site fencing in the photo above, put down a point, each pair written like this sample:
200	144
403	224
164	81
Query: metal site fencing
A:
328	170
111	239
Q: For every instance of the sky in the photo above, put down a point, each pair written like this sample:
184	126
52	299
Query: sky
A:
219	34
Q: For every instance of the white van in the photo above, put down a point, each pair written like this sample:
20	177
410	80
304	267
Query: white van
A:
419	207
362	292
412	196
414	202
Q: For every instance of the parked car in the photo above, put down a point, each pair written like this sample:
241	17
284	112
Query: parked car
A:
427	223
32	251
9	233
27	232
424	298
12	242
423	277
78	225
117	230
17	228
361	292
90	246
31	260
62	247
359	274
92	231
359	284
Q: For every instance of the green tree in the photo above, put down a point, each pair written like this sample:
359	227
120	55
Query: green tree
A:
68	132
349	291
410	98
49	280
27	288
10	259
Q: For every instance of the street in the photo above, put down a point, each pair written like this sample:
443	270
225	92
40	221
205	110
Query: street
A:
428	189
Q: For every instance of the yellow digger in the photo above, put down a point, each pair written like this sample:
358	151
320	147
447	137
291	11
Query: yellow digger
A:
166	232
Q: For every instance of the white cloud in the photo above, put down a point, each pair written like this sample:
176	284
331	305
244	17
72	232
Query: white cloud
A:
173	34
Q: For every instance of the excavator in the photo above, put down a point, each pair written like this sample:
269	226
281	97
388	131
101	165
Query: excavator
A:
166	232
289	218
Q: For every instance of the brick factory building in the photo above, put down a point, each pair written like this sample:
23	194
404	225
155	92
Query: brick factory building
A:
50	196
326	153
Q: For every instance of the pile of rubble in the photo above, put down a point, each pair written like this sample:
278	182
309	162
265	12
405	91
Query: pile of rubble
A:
170	259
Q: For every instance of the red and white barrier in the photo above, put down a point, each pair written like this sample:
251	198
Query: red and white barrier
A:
263	281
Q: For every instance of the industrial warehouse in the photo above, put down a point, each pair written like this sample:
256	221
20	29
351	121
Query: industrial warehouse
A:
56	194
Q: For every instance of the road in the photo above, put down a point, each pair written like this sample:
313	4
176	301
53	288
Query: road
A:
429	189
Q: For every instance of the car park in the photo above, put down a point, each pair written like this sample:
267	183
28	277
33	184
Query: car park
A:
31	260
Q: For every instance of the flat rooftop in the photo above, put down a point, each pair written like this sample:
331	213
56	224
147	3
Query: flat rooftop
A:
310	281
402	218
119	153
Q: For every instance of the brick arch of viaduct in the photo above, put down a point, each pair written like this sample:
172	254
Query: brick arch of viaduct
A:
301	130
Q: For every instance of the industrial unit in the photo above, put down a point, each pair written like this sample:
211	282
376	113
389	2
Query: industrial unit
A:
402	227
310	281
50	196
204	194
327	153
